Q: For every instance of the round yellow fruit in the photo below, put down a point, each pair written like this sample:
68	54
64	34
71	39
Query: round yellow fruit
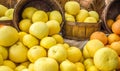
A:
106	59
92	68
8	35
4	52
20	68
47	42
80	66
39	30
74	54
9	63
40	16
28	12
67	66
5	68
72	7
90	20
88	63
9	13
26	63
36	52
59	53
94	14
58	38
46	64
4	18
82	15
31	67
86	53
92	46
1	60
53	26
18	53
69	17
25	24
21	35
3	9
30	41
55	15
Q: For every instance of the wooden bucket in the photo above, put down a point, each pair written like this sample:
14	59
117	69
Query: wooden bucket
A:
46	5
110	12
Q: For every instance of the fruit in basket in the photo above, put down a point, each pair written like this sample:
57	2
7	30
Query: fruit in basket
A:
74	54
36	52
5	68
25	24
9	13
110	23
47	42
94	14
8	35
53	26
82	15
113	38
3	9
115	46
30	41
100	36
28	12
46	64
40	15
67	66
4	18
106	59
39	30
92	46
90	20
116	27
72	7
59	53
3	52
55	15
69	17
18	53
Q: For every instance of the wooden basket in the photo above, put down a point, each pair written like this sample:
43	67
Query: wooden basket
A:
46	5
110	12
79	31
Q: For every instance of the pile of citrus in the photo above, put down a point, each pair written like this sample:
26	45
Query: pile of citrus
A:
40	47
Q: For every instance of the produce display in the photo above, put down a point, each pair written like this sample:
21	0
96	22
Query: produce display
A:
39	46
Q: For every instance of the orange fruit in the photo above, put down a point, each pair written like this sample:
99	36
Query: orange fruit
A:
116	27
110	23
116	46
100	36
113	38
118	17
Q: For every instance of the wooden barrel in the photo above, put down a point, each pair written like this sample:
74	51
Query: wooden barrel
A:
46	5
110	12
